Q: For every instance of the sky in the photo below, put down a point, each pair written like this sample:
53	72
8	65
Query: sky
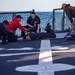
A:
28	5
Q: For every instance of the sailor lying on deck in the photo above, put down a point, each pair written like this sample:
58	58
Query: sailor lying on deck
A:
49	34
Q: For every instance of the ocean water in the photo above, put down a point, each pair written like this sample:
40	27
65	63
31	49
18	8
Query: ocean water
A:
45	17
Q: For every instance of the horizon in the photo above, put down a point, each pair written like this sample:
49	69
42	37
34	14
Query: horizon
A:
27	5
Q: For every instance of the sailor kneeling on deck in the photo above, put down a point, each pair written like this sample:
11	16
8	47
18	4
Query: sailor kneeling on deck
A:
49	34
3	31
8	32
12	27
33	23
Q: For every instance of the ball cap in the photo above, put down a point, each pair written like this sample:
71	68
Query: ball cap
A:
65	5
19	16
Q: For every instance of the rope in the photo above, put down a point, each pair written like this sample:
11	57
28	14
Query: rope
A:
49	19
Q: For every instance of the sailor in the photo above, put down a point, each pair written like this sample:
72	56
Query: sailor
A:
70	12
12	27
49	34
3	31
33	23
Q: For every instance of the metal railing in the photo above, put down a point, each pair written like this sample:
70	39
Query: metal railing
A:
60	19
57	19
9	15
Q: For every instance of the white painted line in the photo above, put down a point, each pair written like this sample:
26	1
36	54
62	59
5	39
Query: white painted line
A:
1	48
59	48
45	52
46	66
25	48
56	51
45	56
64	51
14	54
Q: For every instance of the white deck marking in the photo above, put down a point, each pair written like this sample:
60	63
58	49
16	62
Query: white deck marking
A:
31	48
59	48
1	48
55	51
25	48
46	66
66	51
45	56
13	54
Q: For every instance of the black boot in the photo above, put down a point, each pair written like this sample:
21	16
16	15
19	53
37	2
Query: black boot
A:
48	27
4	40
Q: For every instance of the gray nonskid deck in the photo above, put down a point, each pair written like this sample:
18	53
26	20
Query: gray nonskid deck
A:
13	55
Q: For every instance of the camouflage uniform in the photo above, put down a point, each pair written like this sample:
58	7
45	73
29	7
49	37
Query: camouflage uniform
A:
73	28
